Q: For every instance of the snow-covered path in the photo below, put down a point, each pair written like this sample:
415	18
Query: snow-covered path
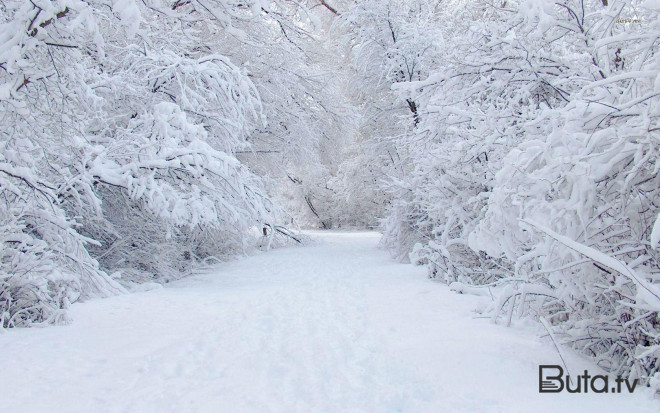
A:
332	327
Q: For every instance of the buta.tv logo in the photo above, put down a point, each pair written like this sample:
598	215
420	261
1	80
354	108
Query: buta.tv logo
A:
552	380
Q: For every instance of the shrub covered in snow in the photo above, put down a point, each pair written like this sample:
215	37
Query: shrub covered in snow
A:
533	165
117	153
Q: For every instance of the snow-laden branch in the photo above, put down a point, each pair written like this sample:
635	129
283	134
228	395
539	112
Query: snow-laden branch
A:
647	292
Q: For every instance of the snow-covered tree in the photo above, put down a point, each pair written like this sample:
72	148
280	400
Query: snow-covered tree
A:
388	43
574	205
121	122
533	166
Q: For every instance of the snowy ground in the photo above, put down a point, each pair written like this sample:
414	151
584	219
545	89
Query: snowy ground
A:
332	327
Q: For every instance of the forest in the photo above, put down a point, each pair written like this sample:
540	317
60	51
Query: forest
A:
510	147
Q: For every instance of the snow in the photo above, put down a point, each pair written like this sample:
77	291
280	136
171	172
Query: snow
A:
646	292
655	234
334	326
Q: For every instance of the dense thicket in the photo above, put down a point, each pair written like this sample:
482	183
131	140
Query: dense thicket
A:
526	152
122	127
